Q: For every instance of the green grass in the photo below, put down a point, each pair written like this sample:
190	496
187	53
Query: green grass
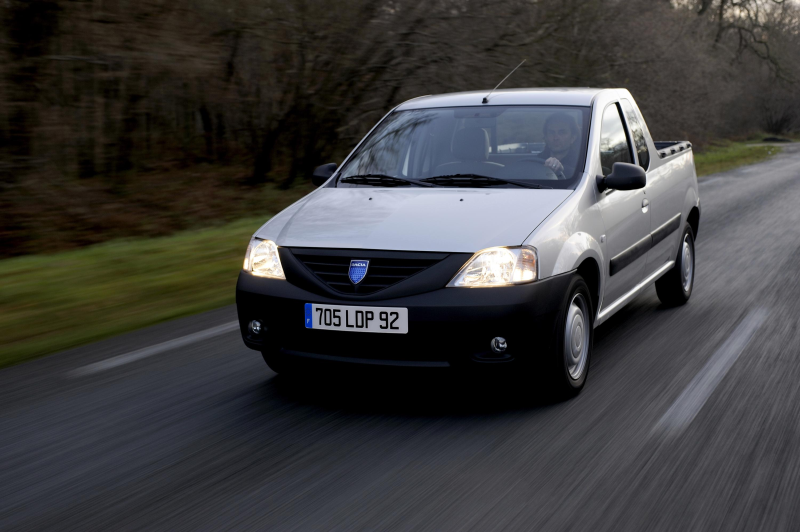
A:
54	302
720	157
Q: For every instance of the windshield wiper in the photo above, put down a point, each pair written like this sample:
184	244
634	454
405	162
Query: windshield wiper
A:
456	180
378	180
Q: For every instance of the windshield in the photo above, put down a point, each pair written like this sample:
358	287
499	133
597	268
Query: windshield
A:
497	146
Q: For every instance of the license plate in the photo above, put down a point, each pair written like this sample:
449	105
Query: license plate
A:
357	319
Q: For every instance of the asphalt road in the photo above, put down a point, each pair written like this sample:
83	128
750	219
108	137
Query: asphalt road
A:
690	419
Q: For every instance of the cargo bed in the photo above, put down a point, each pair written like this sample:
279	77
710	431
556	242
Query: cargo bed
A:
671	147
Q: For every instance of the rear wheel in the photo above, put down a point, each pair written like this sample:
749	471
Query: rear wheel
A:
568	363
675	287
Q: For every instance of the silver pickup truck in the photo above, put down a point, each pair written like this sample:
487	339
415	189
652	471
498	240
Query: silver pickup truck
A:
473	232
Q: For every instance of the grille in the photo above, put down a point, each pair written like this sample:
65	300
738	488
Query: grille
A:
382	272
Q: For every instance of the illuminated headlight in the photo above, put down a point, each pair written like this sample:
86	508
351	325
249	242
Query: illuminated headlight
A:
498	267
262	259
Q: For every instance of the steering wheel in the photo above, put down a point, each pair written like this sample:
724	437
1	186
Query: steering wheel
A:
558	175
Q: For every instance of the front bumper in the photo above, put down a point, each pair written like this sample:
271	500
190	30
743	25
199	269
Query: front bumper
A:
446	326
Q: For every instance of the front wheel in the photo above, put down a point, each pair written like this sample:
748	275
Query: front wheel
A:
675	287
568	363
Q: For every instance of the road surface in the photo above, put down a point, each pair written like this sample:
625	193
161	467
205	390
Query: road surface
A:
690	419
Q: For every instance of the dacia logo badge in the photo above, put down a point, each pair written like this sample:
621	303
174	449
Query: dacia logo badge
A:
358	270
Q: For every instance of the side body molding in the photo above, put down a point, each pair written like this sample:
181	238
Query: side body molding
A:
641	247
666	229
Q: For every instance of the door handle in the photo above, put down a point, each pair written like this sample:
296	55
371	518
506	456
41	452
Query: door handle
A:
645	205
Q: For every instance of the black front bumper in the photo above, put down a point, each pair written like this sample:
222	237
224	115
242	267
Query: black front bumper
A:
447	326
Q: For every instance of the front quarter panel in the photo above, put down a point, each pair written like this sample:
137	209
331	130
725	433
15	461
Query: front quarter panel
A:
571	234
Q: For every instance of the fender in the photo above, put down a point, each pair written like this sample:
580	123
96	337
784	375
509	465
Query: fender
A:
691	201
273	227
576	249
564	240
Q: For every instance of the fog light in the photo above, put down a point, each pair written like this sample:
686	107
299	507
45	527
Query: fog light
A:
255	327
499	345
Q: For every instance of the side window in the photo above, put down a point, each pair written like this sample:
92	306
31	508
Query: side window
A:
614	146
638	134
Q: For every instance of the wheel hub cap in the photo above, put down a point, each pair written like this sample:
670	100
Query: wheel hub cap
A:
687	264
576	338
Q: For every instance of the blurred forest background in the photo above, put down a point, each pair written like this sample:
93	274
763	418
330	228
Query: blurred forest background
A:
143	117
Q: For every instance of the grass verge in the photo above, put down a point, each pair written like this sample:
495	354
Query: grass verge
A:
53	302
720	157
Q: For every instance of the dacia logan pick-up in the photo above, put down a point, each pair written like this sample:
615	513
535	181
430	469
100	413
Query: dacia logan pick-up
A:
465	231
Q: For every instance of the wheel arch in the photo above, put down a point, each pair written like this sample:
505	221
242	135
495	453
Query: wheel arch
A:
691	206
590	271
694	220
582	253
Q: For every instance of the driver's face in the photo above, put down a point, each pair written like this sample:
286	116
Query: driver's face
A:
558	136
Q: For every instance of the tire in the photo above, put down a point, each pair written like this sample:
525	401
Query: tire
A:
674	288
568	363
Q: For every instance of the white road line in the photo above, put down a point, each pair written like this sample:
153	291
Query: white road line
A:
787	166
139	354
755	169
691	401
712	180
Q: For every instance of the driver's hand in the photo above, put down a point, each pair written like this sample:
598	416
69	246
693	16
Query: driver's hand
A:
554	164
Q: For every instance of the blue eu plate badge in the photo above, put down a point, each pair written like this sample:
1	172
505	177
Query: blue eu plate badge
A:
358	270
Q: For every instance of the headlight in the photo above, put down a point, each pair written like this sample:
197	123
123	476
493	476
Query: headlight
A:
262	259
499	267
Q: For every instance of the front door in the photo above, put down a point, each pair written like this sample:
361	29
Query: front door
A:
626	213
666	193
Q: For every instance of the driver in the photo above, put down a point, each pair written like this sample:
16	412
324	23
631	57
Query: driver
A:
560	136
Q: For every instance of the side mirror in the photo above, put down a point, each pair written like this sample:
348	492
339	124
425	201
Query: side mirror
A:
623	176
322	173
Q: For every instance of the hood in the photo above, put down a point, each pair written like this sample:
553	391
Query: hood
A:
413	219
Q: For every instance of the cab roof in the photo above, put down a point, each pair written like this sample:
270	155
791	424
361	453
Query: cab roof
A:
551	96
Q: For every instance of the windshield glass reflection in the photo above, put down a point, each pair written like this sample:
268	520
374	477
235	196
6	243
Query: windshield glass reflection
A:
525	144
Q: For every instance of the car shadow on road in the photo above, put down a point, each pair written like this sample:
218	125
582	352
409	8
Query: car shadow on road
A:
408	392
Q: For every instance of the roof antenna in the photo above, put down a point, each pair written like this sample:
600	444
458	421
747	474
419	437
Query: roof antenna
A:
486	98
